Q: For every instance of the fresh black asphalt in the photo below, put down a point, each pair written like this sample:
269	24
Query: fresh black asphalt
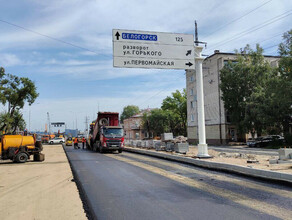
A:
118	190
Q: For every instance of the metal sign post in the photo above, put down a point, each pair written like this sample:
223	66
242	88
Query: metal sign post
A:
156	50
202	146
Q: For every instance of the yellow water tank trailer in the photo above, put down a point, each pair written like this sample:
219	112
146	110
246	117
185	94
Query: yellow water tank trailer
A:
19	148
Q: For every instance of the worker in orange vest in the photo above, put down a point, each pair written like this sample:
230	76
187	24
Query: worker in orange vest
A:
83	142
76	143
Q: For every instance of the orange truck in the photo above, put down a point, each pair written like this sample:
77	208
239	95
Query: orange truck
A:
47	137
19	148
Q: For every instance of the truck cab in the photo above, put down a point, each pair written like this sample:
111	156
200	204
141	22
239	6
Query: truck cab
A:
111	138
105	133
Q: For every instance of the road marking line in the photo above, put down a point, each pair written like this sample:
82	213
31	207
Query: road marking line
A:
280	192
234	197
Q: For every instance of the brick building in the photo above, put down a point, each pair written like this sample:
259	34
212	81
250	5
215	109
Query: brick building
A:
133	127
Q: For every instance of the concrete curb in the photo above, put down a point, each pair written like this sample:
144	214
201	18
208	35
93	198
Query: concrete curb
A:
264	174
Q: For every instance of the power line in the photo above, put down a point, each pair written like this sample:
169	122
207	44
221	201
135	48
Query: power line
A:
147	99
220	28
144	101
49	37
255	28
270	46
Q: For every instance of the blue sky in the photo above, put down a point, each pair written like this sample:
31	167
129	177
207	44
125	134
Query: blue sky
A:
74	83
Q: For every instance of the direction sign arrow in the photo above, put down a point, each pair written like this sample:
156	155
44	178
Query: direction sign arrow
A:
189	64
152	50
118	35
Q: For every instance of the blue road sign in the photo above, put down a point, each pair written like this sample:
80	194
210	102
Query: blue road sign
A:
132	36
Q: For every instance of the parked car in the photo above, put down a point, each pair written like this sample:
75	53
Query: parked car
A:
57	140
266	141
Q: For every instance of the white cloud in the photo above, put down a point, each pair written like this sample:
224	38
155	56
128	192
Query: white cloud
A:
89	24
8	60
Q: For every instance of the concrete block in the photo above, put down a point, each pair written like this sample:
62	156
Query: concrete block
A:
160	146
285	153
139	144
134	142
166	137
169	146
157	146
273	161
152	143
181	148
284	161
146	144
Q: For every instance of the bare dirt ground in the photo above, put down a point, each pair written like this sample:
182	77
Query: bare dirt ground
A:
40	190
239	159
242	158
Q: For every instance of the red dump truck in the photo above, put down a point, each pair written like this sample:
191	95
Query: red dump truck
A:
106	134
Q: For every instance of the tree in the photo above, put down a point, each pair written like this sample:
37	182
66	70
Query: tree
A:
129	111
13	123
243	86
176	109
155	121
285	51
15	91
285	81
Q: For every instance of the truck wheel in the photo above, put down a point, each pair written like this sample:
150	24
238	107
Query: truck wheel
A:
120	151
21	157
101	150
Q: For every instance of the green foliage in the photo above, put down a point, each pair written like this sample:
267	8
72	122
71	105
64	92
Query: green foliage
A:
12	123
156	121
288	139
176	108
258	97
15	91
172	117
242	85
285	51
285	81
129	111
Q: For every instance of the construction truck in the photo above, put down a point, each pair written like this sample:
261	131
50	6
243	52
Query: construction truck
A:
105	133
19	148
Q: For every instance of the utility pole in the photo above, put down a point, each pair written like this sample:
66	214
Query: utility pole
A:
29	118
49	122
86	125
202	146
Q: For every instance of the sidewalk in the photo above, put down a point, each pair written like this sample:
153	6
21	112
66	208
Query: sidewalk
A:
244	149
40	190
230	162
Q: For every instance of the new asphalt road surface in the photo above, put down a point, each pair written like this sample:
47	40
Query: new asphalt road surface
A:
132	186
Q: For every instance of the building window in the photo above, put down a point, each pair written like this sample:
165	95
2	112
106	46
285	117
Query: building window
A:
192	104
192	117
232	61
192	78
227	117
192	91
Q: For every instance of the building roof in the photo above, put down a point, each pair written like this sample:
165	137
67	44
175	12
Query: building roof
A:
217	52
